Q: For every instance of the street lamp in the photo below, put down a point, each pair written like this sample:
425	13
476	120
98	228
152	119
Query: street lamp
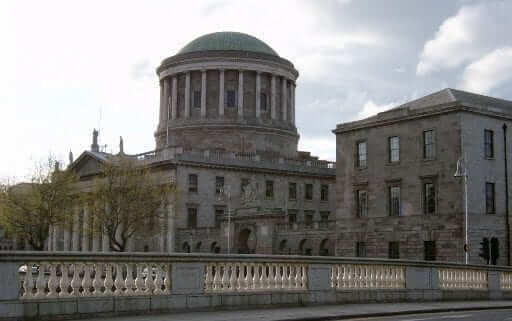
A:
462	171
226	192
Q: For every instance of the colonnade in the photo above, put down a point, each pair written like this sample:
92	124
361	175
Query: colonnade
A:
77	235
169	95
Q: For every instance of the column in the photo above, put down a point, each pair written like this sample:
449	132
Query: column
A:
174	97
162	100
292	97
203	93
55	238
221	92
95	237
170	229
284	100
258	94
187	94
85	235
49	239
240	93
76	230
165	101
162	234
66	238
105	242
273	106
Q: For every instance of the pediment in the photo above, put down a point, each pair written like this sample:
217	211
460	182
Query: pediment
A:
88	164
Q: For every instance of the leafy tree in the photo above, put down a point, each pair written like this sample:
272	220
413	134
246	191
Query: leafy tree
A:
124	199
27	210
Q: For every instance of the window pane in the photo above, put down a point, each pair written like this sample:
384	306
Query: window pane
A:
192	218
292	191
324	193
428	144
429	201
219	184
361	154
489	143
192	183
394	149
197	99
393	250
360	249
429	250
394	201
231	98
309	192
362	203
263	102
489	198
269	189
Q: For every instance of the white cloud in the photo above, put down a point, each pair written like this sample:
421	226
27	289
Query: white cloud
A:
488	72
370	108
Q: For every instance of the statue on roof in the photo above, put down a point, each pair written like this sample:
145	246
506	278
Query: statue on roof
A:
121	145
95	147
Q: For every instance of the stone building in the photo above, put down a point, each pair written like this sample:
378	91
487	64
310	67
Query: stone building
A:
397	195
226	136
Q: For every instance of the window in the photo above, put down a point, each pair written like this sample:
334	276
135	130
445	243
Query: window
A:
394	250
362	155
292	217
489	198
219	214
269	189
324	219
429	198
394	149
324	192
192	217
263	101
489	143
362	203
197	99
192	183
394	201
308	192
429	248
292	191
308	219
219	184
361	249
231	98
243	185
429	144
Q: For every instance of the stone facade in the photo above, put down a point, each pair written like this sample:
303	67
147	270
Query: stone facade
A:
458	125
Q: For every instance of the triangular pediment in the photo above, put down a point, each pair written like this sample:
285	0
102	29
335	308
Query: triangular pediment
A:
88	163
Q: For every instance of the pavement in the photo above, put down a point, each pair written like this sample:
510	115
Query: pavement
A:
330	312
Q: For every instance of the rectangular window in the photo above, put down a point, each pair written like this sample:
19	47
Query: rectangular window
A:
243	185
362	155
308	192
292	217
429	144
219	185
196	101
393	250
230	98
489	143
292	191
324	219
489	198
220	211
429	248
429	198
269	189
361	249
394	201
192	183
263	101
324	192
192	217
362	203
308	219
394	149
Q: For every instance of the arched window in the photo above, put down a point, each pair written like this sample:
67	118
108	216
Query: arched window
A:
186	247
283	247
214	248
324	248
198	247
305	247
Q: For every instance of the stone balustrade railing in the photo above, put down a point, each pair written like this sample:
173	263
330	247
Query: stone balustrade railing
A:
51	285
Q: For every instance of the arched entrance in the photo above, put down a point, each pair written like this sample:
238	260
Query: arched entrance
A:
305	247
246	242
324	248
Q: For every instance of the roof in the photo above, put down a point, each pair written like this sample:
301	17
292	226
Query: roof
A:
227	41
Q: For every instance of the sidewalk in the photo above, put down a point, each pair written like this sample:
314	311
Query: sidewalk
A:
317	313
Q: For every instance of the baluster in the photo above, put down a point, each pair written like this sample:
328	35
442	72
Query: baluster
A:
248	277
233	277
256	277
298	276
139	279
225	276
304	282
208	280
333	272
87	280
53	283
158	280
75	281
284	277
277	279
217	277
167	279
119	280
240	281
41	282
28	283
339	277
108	283
149	282
97	282
130	282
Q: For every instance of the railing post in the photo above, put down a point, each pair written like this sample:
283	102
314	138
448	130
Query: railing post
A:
494	285
10	287
188	278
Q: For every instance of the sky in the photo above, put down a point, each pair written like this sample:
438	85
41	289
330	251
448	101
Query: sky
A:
67	67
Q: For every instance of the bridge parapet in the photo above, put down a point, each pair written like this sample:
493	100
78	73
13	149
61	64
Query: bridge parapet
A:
47	285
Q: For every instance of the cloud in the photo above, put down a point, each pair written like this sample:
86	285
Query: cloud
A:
370	108
488	72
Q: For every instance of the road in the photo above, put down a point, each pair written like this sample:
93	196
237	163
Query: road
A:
483	315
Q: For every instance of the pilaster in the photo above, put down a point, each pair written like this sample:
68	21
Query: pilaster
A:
258	94
174	97
203	93
221	92
187	95
240	93
273	97
284	100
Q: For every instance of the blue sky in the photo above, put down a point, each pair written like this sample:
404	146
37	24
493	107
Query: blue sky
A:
67	67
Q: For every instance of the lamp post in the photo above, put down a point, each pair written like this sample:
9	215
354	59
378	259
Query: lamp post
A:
226	192
462	171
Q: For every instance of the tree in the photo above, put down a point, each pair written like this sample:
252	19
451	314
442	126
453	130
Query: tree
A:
124	200
27	210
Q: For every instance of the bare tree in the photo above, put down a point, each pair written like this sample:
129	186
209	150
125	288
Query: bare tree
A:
27	210
124	199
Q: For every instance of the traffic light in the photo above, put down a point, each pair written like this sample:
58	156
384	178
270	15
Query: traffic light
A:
484	250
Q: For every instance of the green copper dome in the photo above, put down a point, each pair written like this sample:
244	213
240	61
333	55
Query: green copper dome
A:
228	41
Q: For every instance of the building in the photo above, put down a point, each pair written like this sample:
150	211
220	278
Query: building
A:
397	195
226	136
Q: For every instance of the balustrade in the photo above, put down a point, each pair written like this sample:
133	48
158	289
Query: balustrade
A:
84	279
247	277
506	281
462	279
366	276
